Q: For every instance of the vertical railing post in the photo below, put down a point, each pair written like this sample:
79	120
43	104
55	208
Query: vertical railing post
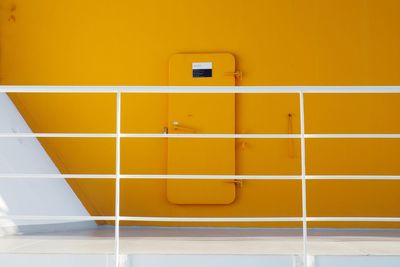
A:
303	180
117	173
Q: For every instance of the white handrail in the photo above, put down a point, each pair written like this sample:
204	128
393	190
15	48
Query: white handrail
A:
352	177
302	136
200	136
199	177
197	219
117	175
198	89
57	135
303	181
55	176
57	218
149	176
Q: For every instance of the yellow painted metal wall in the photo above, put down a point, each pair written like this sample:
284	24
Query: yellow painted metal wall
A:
287	42
121	42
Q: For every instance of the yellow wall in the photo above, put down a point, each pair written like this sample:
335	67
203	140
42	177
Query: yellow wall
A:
276	42
122	42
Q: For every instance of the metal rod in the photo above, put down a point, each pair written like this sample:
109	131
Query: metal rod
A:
117	176
213	219
303	182
58	218
205	177
200	219
352	177
56	176
221	136
217	136
211	177
353	219
337	136
56	135
199	89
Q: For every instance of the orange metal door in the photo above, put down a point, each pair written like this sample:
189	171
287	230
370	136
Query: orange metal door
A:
197	113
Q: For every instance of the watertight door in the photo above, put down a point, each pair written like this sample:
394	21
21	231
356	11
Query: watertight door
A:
201	114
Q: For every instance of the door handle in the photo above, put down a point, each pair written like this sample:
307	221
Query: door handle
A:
236	182
177	126
291	140
237	74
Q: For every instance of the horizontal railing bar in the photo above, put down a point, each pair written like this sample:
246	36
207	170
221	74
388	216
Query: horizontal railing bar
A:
335	136
63	135
57	176
212	219
353	177
148	176
200	177
58	217
222	136
353	219
349	89
201	219
230	136
58	89
155	219
199	89
211	177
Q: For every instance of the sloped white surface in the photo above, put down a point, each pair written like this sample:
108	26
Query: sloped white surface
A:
26	155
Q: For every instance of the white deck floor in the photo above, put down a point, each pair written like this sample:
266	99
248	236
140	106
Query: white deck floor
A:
206	241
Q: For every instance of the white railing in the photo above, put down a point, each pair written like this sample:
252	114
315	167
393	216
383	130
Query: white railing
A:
118	90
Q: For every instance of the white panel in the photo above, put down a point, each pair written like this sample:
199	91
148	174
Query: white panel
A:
20	155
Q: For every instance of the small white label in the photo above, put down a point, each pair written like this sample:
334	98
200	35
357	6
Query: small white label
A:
201	65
